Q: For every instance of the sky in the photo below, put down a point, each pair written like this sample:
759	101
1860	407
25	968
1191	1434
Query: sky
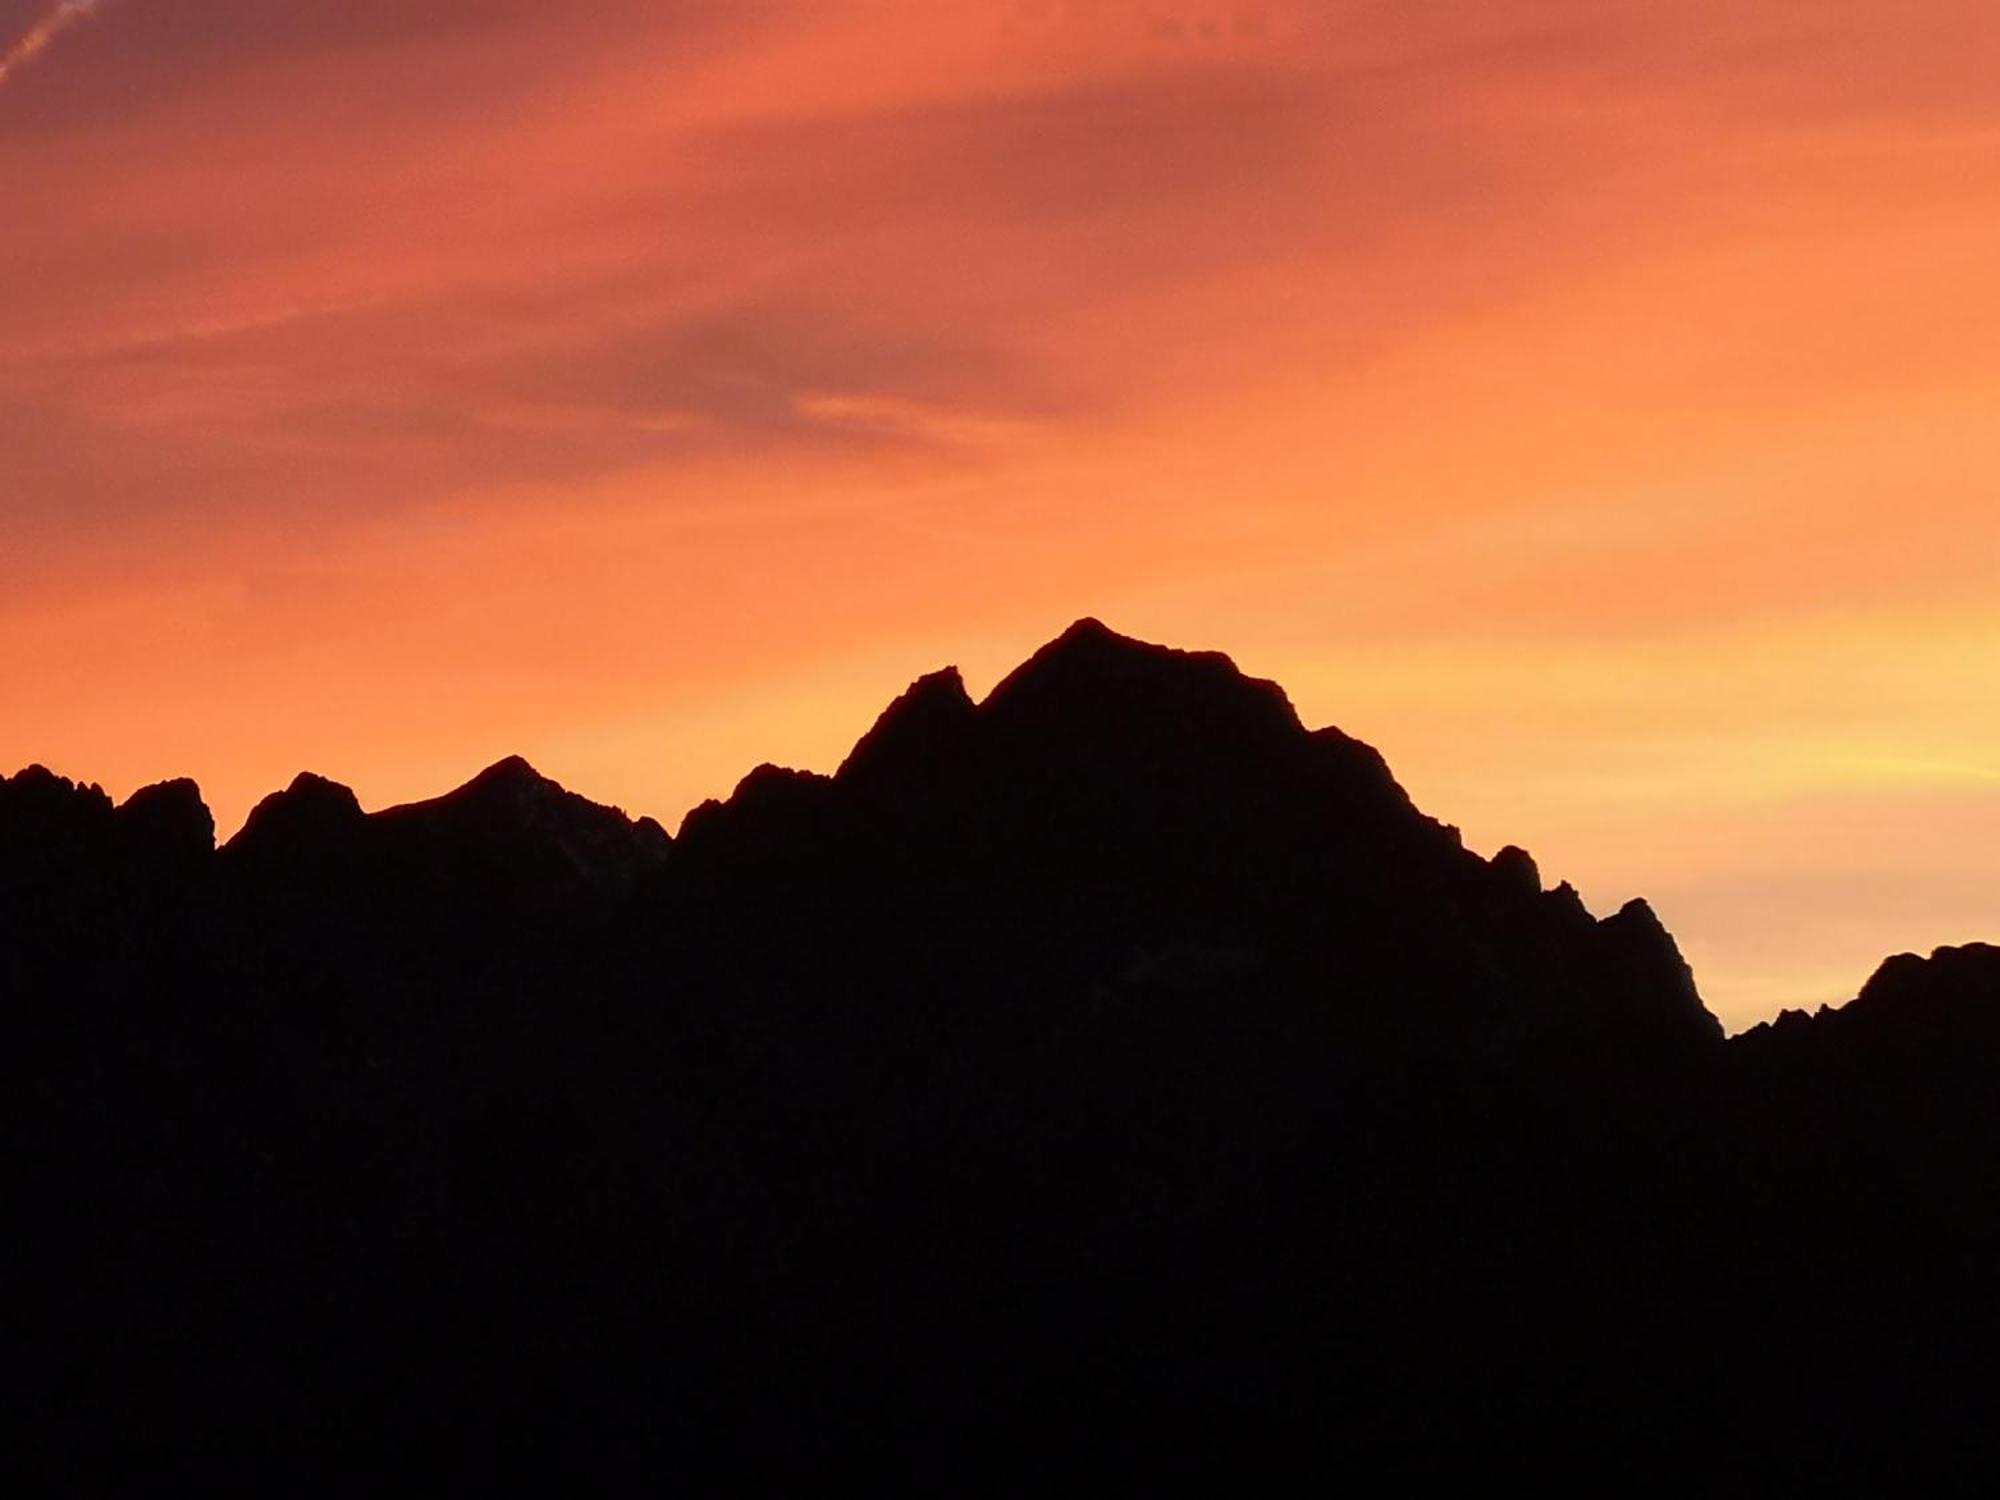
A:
1590	403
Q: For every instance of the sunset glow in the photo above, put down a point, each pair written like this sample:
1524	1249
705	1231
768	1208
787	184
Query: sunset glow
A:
1590	403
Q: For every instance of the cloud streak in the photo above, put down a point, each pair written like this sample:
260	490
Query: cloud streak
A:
38	38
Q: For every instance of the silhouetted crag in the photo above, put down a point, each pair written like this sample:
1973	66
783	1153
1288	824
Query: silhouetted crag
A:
1109	1071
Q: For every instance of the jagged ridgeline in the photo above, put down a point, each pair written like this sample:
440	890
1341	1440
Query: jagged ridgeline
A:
1113	1067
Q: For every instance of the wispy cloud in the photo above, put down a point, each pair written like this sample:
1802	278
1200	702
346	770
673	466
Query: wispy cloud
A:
38	37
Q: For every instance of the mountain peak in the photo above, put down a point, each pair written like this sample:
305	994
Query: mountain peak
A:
172	816
312	809
1516	866
309	796
511	782
1090	639
1090	628
513	795
1950	978
311	786
513	770
1092	675
37	783
515	814
930	717
1647	965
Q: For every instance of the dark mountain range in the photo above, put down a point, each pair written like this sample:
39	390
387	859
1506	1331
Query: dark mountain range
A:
1109	1073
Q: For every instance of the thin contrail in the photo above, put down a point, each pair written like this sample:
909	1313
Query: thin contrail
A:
35	40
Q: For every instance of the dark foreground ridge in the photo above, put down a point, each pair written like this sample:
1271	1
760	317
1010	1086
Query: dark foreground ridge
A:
1109	1073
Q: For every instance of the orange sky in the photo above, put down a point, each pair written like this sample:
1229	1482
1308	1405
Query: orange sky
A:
1588	402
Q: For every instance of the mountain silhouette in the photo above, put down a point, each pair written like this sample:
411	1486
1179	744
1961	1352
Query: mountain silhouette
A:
1112	1071
509	847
